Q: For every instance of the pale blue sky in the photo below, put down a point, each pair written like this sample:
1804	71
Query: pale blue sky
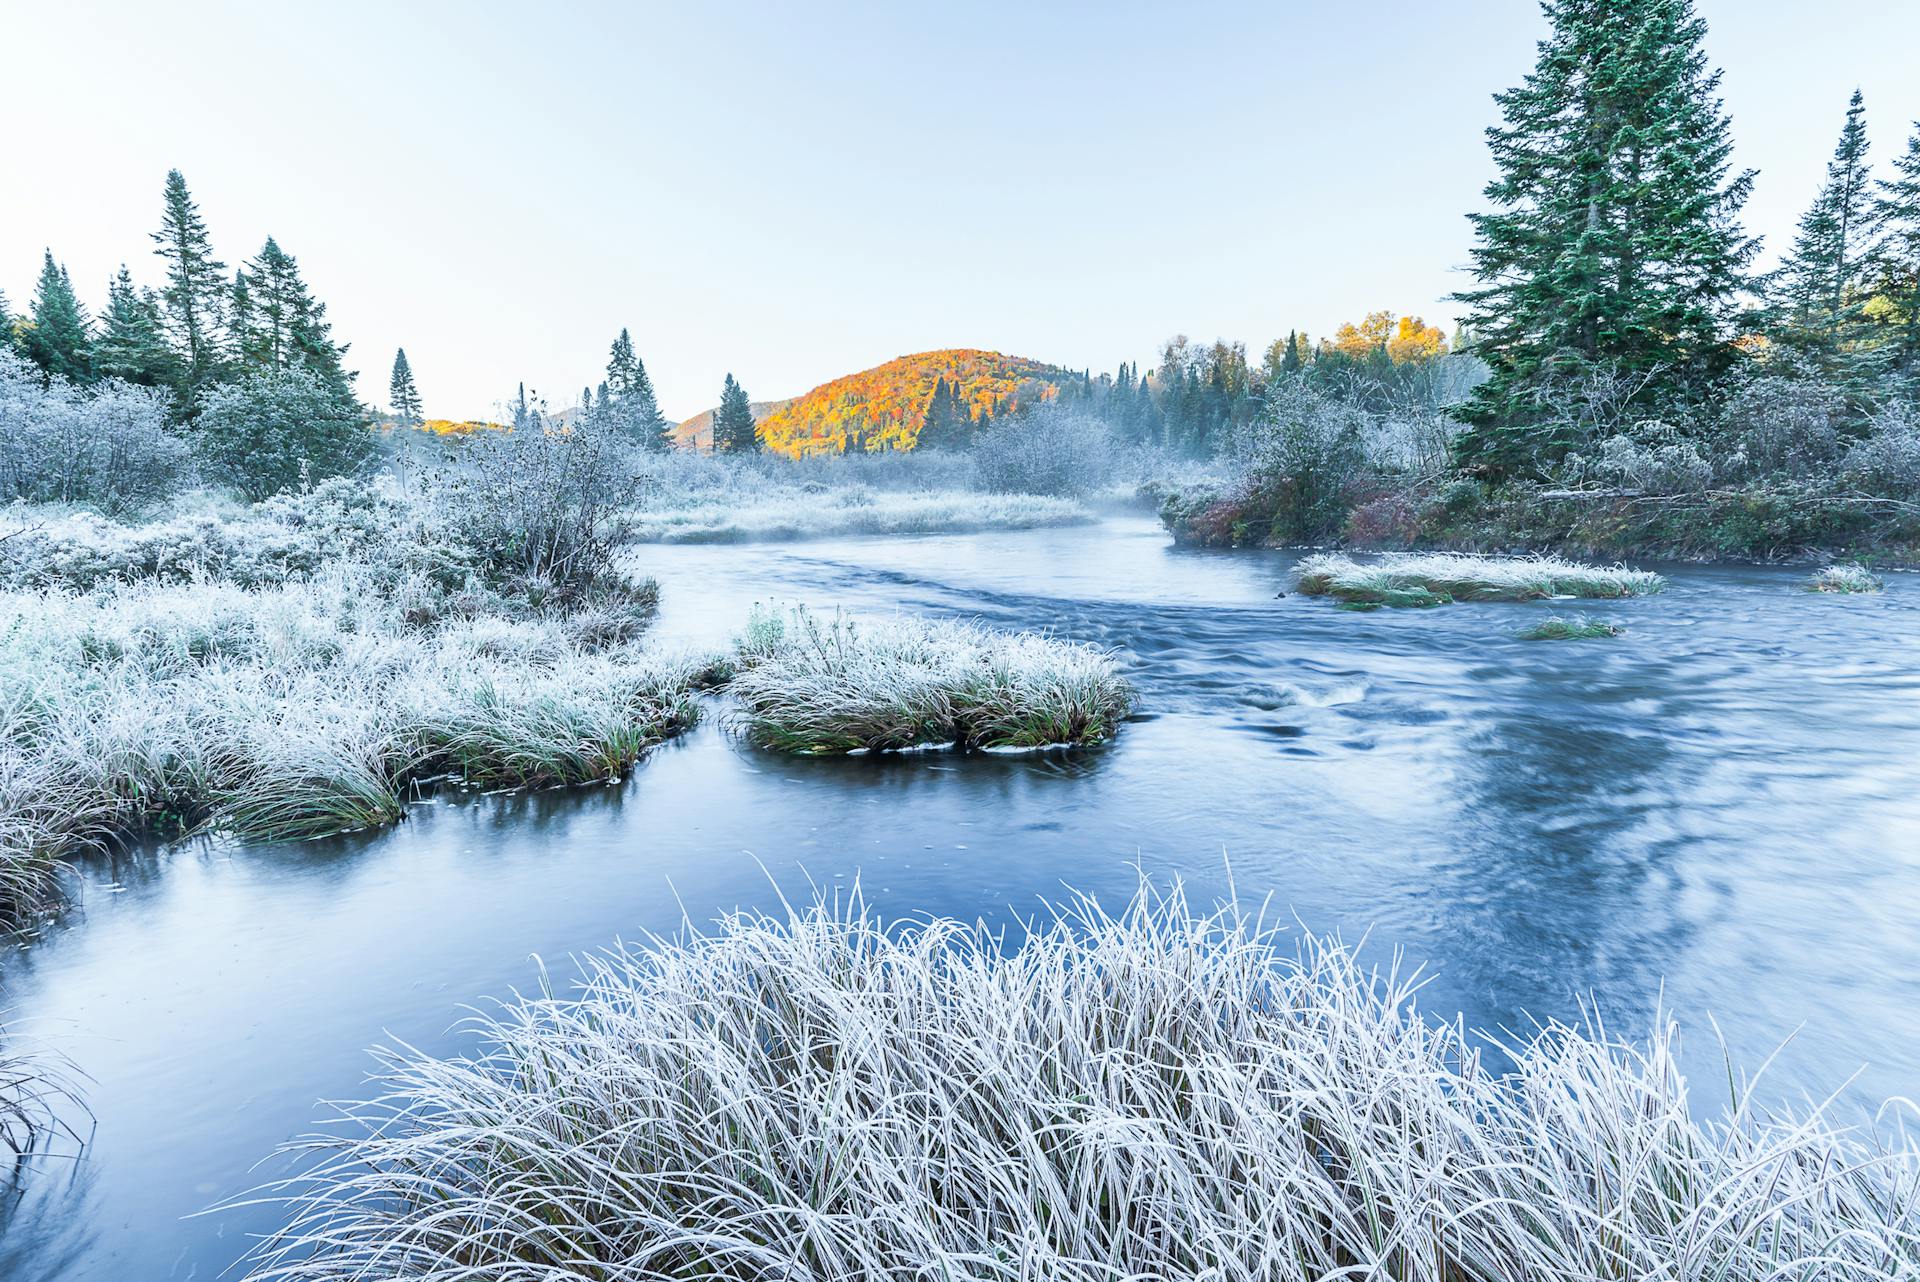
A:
792	192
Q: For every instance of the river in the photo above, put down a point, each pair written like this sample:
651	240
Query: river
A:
1719	809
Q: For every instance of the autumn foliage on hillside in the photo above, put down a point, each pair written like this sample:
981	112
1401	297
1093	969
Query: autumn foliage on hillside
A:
884	407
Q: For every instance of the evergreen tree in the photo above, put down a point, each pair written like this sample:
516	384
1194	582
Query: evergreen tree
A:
133	343
58	341
1294	360
522	415
623	366
6	324
196	285
242	355
402	393
946	422
1897	256
1820	286
1615	237
733	426
282	326
636	410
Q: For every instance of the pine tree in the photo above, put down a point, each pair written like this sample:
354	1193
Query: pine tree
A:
1897	256
58	340
196	285
522	415
132	343
1820	285
402	394
733	426
1614	238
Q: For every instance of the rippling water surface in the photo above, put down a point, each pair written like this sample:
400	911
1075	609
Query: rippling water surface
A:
1723	806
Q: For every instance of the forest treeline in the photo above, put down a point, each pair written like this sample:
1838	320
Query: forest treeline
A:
1622	374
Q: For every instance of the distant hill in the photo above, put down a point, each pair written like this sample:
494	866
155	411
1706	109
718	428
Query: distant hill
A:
883	407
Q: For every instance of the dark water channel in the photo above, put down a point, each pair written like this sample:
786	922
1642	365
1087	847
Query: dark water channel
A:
1722	805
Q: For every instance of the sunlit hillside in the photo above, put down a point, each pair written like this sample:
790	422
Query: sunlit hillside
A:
884	407
697	432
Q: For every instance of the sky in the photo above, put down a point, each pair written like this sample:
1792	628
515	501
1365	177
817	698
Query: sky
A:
791	192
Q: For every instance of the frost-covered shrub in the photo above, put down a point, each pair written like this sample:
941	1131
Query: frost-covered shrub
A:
108	446
1049	449
1782	420
1302	459
287	537
1887	461
1653	456
281	430
542	506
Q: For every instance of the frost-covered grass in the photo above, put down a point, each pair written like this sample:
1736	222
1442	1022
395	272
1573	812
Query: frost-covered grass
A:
1435	578
1161	1094
1579	627
801	514
300	710
822	685
1845	578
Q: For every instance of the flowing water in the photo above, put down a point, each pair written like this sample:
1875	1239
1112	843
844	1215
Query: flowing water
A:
1719	810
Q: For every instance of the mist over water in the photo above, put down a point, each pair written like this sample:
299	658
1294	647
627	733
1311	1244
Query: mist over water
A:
1719	806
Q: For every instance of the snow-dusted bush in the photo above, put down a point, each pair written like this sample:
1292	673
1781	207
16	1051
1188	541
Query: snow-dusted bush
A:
108	446
1049	449
280	430
1299	462
543	505
1438	577
1783	420
286	537
1887	460
812	684
1157	1094
1653	456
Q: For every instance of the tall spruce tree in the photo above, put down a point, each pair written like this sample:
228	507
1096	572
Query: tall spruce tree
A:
1614	238
945	424
636	410
733	426
196	287
402	393
133	344
283	326
1897	256
1821	285
59	341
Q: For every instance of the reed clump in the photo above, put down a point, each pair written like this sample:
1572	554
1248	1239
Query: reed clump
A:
1579	627
1161	1093
810	683
1438	578
1845	578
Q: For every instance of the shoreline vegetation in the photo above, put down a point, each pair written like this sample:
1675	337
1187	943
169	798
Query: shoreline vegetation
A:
1157	1092
816	685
